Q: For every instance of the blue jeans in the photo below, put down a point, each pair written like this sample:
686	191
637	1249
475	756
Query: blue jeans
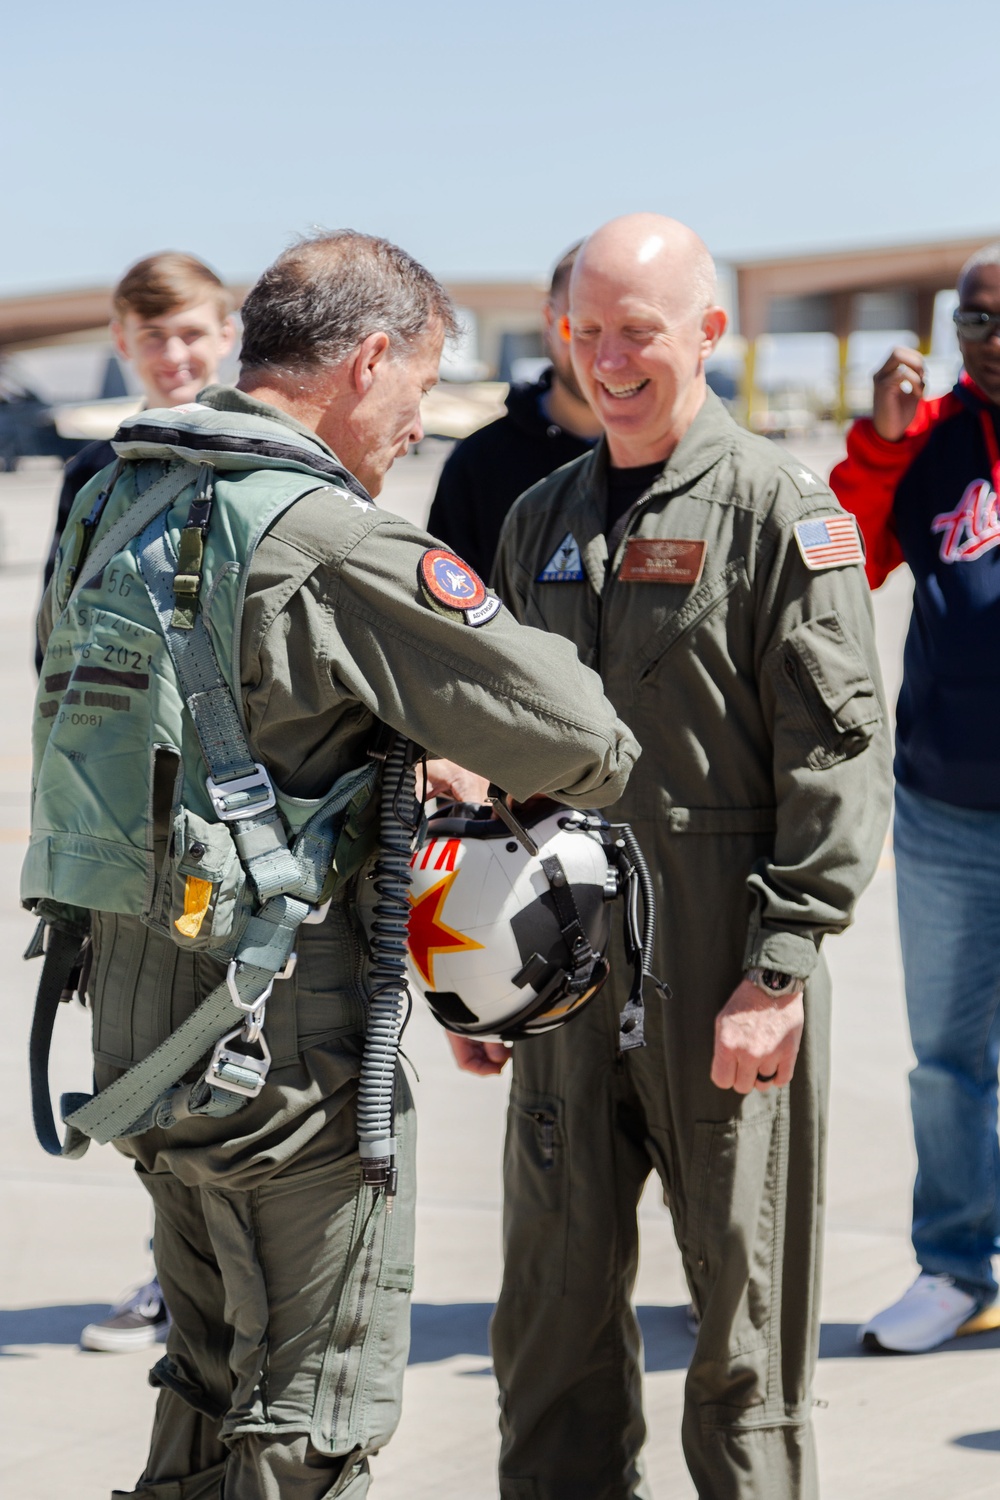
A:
948	890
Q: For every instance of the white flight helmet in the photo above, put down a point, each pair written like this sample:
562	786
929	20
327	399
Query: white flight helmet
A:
504	942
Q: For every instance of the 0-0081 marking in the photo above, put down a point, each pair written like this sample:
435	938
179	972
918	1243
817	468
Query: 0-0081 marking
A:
83	720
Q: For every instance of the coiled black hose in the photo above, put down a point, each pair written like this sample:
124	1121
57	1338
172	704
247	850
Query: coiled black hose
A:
389	995
638	859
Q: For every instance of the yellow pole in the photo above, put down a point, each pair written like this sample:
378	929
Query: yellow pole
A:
842	380
749	361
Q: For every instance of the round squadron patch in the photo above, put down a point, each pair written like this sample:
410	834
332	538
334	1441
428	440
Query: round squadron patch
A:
451	586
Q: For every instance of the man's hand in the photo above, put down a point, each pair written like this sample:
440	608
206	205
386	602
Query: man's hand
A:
446	779
899	386
756	1035
478	1057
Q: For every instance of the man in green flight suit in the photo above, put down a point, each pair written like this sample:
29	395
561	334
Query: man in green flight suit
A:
718	589
286	1277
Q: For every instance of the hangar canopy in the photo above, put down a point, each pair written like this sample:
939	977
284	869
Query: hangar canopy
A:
847	291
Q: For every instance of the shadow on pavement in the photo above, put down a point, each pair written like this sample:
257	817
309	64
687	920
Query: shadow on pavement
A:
443	1330
988	1442
48	1325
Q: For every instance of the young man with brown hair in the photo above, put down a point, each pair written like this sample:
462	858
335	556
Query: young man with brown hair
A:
173	324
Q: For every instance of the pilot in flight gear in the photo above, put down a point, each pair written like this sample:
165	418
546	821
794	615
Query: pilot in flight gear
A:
726	609
286	1278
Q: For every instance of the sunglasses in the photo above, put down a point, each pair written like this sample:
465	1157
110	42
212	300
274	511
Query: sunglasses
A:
977	327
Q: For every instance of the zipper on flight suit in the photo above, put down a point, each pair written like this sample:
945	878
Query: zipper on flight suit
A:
821	727
545	1124
611	572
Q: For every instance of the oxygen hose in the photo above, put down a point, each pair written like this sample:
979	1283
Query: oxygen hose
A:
638	859
388	994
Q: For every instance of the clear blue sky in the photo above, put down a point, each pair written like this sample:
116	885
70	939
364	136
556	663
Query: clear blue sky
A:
484	138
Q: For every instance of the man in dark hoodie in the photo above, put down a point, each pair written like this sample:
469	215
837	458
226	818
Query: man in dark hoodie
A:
922	478
548	424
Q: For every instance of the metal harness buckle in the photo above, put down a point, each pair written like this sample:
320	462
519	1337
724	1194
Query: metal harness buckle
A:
235	1071
253	1009
222	794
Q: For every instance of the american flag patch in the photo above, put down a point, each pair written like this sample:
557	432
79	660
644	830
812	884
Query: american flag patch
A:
831	542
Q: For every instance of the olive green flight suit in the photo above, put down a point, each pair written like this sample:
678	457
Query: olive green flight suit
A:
761	802
286	1280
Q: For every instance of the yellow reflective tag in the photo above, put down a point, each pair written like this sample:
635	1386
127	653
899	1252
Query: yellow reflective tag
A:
197	895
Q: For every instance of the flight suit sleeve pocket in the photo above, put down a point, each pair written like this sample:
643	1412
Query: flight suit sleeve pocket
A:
827	690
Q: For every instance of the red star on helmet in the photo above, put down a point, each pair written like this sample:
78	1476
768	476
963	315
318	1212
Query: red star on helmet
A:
427	935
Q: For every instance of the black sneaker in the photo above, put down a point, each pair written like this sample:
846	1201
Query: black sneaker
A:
137	1323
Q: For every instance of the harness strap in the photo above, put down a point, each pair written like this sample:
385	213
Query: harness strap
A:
85	528
145	1095
118	1110
581	953
260	835
191	552
149	504
62	953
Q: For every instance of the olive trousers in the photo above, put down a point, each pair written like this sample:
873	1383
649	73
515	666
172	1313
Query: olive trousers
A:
286	1278
290	1305
743	1179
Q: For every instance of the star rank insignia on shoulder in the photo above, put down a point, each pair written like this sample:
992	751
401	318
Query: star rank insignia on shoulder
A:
803	479
565	565
829	542
450	586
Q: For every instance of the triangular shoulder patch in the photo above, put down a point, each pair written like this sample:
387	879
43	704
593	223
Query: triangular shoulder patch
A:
565	565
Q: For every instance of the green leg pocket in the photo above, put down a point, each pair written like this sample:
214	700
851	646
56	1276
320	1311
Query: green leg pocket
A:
360	1392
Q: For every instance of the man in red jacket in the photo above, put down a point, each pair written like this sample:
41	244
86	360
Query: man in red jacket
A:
923	477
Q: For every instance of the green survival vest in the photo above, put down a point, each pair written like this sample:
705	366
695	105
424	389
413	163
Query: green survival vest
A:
146	799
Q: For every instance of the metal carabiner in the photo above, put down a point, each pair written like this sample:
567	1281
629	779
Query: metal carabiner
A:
237	1071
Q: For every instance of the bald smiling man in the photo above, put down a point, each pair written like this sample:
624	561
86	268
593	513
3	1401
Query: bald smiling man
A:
719	589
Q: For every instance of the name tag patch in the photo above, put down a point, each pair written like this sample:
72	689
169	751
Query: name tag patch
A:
662	560
450	586
829	542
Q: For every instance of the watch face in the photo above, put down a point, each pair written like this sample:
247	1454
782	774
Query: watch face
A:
774	979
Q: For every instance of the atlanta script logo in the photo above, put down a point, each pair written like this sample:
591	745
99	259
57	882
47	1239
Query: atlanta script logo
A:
973	527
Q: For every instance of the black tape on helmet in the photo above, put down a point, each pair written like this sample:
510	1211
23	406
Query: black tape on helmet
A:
510	920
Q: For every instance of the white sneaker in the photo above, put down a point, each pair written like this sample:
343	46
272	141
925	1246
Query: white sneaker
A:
138	1322
928	1314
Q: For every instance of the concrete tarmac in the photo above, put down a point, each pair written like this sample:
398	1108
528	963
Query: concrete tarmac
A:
74	1233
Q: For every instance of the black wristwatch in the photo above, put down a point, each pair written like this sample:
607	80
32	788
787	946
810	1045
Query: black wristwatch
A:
775	982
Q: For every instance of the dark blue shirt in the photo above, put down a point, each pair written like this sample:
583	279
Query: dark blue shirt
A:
946	517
